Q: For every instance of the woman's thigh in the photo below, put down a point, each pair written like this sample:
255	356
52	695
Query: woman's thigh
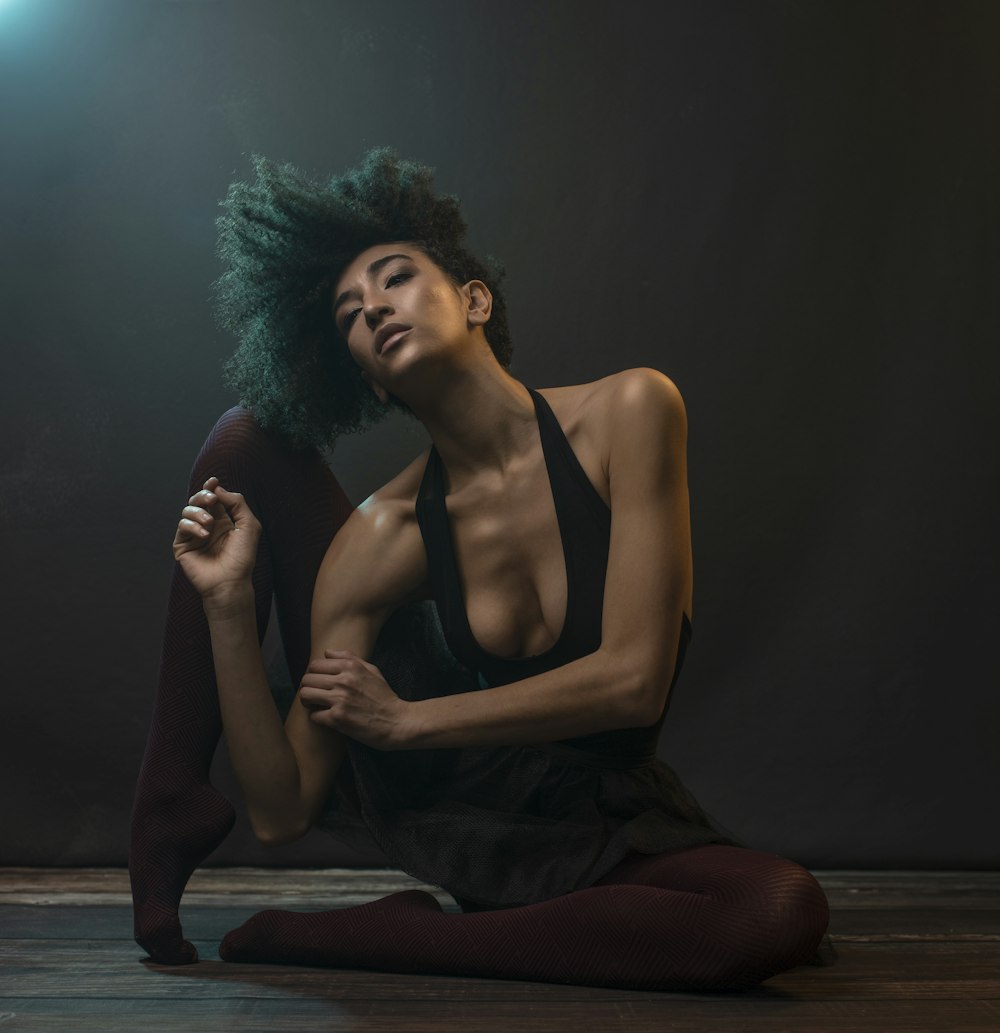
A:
744	878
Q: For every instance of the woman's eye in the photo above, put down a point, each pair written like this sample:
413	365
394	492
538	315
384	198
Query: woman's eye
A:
396	278
349	318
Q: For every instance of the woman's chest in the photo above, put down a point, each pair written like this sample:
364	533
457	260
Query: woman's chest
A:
510	562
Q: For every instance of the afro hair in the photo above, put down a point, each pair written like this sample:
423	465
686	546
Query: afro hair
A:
284	240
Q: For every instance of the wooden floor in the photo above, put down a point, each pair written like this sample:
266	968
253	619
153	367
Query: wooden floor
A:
917	952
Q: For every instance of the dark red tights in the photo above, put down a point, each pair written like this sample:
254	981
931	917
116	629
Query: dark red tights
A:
178	818
713	917
708	918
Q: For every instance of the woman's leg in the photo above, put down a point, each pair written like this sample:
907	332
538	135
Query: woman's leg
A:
178	817
709	918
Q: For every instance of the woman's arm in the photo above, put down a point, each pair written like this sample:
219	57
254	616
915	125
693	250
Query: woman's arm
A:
285	770
625	682
279	773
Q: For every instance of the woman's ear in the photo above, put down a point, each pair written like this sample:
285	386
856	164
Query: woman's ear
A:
480	302
377	389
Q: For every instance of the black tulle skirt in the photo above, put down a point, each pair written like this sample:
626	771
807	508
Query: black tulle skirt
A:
500	827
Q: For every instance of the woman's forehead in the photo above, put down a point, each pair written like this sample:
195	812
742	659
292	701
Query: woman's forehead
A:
369	261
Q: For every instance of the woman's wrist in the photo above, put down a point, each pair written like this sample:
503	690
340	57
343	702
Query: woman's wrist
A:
410	730
227	601
413	729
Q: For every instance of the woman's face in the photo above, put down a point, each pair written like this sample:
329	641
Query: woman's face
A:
394	306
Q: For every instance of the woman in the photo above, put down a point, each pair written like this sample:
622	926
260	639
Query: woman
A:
515	768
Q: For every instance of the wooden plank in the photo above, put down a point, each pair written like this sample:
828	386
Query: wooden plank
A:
895	889
258	888
99	979
917	952
30	968
924	923
322	887
56	922
666	1012
894	882
73	922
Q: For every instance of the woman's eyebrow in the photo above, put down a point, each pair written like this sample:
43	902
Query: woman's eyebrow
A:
373	268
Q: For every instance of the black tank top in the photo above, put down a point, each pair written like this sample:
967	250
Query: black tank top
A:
585	528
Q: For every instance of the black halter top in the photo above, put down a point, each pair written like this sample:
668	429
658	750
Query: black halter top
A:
585	528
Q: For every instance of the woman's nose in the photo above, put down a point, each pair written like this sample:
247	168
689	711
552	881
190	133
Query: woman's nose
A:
375	311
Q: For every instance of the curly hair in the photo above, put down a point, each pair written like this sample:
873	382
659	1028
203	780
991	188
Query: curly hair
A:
284	240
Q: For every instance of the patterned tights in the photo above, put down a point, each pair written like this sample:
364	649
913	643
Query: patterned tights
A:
178	818
707	918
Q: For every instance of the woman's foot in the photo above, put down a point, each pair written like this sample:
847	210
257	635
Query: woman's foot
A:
349	937
170	838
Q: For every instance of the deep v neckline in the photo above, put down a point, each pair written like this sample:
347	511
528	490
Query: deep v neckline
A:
584	522
451	556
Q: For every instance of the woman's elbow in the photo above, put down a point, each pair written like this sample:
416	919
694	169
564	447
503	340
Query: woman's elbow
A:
633	692
644	694
647	706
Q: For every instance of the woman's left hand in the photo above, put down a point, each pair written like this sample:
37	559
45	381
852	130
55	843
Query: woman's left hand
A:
350	695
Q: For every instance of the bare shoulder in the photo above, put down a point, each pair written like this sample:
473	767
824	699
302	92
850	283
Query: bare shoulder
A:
377	560
639	389
640	394
623	410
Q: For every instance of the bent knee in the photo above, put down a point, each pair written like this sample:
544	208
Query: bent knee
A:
770	939
792	920
804	914
790	915
795	890
753	879
236	450
237	428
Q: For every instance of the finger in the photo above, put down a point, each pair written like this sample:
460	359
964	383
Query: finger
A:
351	659
330	665
328	683
195	524
204	498
327	666
210	502
314	699
198	515
236	506
189	529
331	717
324	718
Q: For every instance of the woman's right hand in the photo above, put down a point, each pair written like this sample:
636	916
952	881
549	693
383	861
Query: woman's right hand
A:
216	541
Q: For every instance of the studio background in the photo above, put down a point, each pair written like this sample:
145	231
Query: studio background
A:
788	207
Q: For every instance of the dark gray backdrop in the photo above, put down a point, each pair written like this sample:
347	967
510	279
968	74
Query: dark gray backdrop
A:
790	208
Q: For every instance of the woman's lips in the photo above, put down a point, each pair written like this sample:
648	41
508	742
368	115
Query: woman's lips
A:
393	339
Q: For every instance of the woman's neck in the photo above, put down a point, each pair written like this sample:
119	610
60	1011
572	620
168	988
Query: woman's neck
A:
479	418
